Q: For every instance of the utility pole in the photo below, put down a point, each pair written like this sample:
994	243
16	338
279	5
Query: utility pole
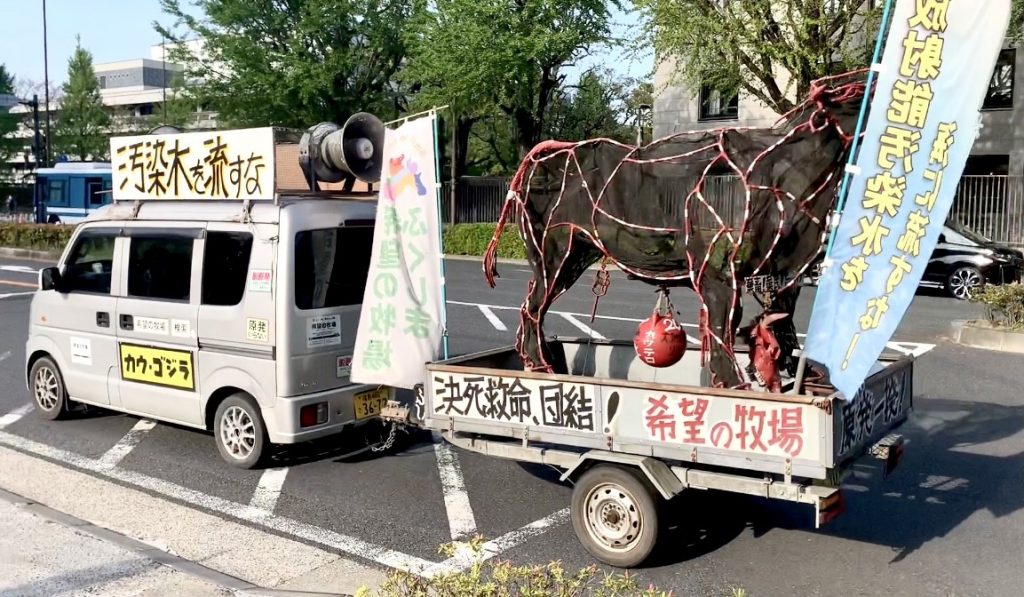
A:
46	89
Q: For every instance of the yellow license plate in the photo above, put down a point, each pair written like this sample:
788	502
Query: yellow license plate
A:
369	404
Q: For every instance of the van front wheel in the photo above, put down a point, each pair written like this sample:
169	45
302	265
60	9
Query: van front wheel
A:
239	432
51	397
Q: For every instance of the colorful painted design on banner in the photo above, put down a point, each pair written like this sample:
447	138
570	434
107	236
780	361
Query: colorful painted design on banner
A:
236	164
400	325
935	73
157	366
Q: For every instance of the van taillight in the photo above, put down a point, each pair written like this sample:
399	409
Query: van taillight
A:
313	414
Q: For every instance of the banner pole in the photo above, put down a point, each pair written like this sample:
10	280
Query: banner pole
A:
883	31
440	240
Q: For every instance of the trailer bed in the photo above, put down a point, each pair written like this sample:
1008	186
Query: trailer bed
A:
607	399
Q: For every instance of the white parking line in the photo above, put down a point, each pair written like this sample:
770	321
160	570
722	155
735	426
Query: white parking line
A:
461	521
15	415
4	356
14	294
316	535
19	269
269	490
491	317
115	455
465	558
583	328
916	349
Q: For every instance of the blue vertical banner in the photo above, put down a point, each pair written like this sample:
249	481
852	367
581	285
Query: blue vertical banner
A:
924	117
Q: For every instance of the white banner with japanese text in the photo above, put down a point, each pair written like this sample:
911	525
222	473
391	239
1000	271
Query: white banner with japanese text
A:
400	325
232	164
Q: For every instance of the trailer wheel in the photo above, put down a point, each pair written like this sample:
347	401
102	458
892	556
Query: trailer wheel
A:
615	515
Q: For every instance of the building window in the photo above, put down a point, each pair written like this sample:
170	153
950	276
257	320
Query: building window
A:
146	110
1000	89
716	105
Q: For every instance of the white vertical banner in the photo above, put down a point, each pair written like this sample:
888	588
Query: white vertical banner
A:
401	323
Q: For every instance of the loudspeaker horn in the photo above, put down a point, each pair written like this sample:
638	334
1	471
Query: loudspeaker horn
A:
328	153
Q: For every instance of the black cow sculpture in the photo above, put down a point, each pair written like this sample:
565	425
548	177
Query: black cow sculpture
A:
649	211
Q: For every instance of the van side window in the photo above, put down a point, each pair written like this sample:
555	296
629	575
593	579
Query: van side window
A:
226	267
90	264
331	266
160	267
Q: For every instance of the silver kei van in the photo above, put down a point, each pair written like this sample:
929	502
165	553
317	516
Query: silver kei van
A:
235	318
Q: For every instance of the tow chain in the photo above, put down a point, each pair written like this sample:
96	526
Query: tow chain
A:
388	443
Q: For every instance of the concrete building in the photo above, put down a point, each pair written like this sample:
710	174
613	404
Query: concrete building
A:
134	90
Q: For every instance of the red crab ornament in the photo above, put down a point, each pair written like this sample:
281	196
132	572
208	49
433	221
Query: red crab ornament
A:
660	341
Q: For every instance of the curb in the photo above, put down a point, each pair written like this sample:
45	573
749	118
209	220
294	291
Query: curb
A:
966	333
30	254
194	569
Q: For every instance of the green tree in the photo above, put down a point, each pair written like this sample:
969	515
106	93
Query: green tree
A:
83	122
10	144
180	108
486	58
597	106
292	63
751	45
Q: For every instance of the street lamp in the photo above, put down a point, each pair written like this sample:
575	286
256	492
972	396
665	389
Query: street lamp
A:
46	90
640	122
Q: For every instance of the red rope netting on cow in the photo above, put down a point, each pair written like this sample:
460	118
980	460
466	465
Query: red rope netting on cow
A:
726	211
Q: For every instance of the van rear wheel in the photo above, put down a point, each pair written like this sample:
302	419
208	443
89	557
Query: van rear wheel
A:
239	431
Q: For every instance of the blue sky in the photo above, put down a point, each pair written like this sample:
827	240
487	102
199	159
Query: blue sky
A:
122	29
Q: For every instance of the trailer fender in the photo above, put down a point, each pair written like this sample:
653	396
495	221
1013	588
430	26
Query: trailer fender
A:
656	471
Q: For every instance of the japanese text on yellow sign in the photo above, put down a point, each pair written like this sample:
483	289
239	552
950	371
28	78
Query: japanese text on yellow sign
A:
235	164
157	366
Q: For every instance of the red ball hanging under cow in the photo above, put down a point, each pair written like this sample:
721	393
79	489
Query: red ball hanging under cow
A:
660	341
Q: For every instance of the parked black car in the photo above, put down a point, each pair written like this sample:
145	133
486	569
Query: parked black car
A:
963	260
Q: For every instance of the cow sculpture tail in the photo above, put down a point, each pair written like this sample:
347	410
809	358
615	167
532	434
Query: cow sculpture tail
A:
491	254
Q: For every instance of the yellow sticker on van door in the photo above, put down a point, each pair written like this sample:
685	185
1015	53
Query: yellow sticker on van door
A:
157	366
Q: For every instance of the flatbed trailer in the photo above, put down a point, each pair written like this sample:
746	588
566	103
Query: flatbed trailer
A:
631	437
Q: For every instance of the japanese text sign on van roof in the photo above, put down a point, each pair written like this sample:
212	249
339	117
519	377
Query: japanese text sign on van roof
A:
234	164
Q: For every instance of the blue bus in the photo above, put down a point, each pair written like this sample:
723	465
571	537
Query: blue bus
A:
71	191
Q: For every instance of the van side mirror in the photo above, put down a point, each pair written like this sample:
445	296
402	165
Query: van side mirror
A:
50	279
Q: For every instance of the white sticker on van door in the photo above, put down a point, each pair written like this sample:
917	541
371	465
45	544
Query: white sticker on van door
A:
323	330
81	351
260	280
181	328
152	325
257	330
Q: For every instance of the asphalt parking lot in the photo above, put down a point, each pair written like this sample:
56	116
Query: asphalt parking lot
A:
949	521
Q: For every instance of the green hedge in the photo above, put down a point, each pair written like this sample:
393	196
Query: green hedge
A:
39	237
472	239
460	239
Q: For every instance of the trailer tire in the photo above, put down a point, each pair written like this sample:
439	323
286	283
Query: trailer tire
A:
615	515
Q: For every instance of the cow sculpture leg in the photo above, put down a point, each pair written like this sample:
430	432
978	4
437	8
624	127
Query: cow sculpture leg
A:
719	298
785	328
567	259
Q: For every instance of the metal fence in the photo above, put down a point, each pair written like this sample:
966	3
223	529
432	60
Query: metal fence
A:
991	205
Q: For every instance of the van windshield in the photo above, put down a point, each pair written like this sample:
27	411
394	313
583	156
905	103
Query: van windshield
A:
331	266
